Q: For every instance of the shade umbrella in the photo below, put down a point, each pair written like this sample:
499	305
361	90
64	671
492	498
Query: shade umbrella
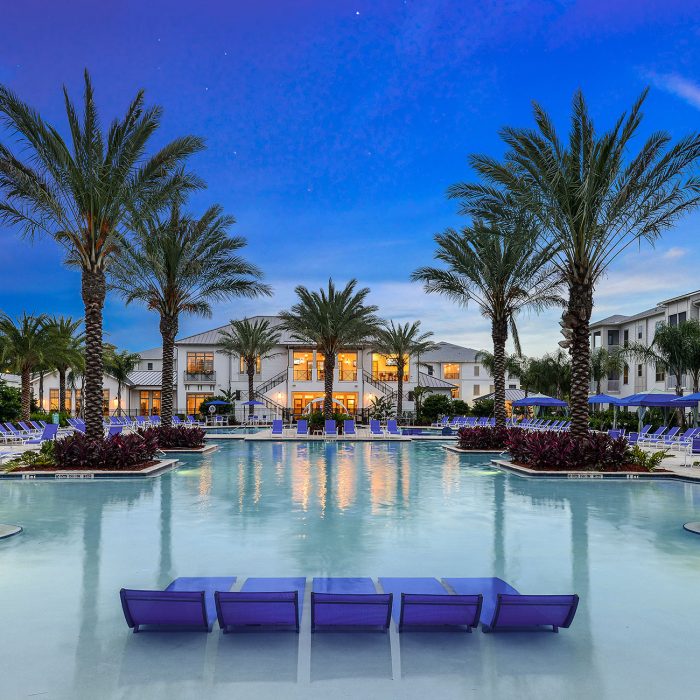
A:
656	399
695	398
252	403
540	401
610	400
217	402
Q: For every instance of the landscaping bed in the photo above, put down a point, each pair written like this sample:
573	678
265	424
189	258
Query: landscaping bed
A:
85	468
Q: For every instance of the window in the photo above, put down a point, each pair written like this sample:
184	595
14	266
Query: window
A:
302	361
347	366
78	401
455	392
640	332
320	366
672	320
200	363
451	370
491	388
149	403
105	402
639	370
384	368
682	318
626	374
476	370
596	339
431	370
243	368
658	325
477	390
660	373
150	365
613	337
626	338
512	386
53	399
194	402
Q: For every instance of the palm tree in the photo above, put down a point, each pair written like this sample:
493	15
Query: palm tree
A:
65	350
693	359
85	194
401	343
496	266
251	342
604	363
180	265
120	365
592	201
512	363
23	345
331	320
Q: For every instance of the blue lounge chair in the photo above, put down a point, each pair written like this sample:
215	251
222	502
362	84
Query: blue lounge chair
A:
28	429
330	429
49	433
667	439
375	429
141	422
392	428
37	427
262	602
186	602
115	430
349	603
504	608
656	435
349	428
302	427
8	436
425	602
277	428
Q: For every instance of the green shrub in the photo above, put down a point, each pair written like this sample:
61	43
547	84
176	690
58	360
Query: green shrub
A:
10	402
460	408
485	407
647	460
44	457
436	405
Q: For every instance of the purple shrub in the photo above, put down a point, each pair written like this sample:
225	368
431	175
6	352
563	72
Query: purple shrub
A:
175	436
482	438
118	452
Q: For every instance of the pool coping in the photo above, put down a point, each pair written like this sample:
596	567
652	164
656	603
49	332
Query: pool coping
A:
156	469
190	450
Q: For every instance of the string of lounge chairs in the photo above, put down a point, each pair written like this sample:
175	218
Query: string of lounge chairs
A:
459	422
344	603
330	429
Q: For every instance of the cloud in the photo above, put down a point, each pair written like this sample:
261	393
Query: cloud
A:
677	85
673	253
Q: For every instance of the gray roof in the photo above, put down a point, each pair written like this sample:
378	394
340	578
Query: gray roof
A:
212	337
618	319
11	379
145	378
511	395
432	382
152	354
449	352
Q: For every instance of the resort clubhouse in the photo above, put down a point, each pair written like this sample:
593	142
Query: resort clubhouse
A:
326	501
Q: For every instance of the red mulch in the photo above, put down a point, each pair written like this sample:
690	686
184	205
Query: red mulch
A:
50	468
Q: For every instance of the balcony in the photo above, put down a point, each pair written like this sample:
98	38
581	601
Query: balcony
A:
302	375
347	375
451	375
200	377
387	377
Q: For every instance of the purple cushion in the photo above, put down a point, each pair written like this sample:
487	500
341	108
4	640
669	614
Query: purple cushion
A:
514	611
166	608
418	609
351	610
246	608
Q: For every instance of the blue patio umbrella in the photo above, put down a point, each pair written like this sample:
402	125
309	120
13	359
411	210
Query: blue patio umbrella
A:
252	403
695	398
540	401
217	402
656	399
597	399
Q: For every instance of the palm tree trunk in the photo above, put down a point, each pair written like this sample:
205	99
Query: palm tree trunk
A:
579	311
168	331
93	293
119	398
61	389
399	387
41	389
499	333
328	368
26	393
250	369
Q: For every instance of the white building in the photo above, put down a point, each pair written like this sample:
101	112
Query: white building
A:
618	331
288	380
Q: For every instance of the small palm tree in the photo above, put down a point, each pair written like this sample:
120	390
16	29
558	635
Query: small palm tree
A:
498	267
120	365
512	363
399	344
593	200
180	265
251	342
85	194
23	346
65	350
331	320
604	363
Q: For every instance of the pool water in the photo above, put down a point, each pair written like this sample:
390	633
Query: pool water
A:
349	509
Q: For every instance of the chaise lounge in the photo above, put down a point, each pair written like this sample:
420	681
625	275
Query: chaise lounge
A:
349	603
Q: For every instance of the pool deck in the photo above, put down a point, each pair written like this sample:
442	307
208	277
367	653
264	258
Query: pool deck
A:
157	469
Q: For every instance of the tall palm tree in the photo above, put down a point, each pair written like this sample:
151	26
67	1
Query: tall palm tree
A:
512	363
178	265
604	363
496	266
85	193
23	345
593	200
65	350
331	320
251	342
120	365
401	343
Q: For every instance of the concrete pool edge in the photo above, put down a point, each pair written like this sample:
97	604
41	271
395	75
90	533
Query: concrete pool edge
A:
190	450
157	469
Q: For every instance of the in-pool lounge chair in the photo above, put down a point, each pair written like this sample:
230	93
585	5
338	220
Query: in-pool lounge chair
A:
330	429
506	609
262	602
186	602
349	603
375	429
426	603
277	428
302	427
349	428
392	428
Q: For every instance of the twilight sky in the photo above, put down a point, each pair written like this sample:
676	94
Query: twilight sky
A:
334	128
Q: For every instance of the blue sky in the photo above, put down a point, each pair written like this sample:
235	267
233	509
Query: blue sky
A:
334	128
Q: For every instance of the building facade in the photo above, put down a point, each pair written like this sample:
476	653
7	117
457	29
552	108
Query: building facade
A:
287	381
617	332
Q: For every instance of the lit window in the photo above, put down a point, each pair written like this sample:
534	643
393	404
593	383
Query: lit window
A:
455	392
451	370
243	368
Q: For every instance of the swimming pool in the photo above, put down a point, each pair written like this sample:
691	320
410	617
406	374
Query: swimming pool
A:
349	509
